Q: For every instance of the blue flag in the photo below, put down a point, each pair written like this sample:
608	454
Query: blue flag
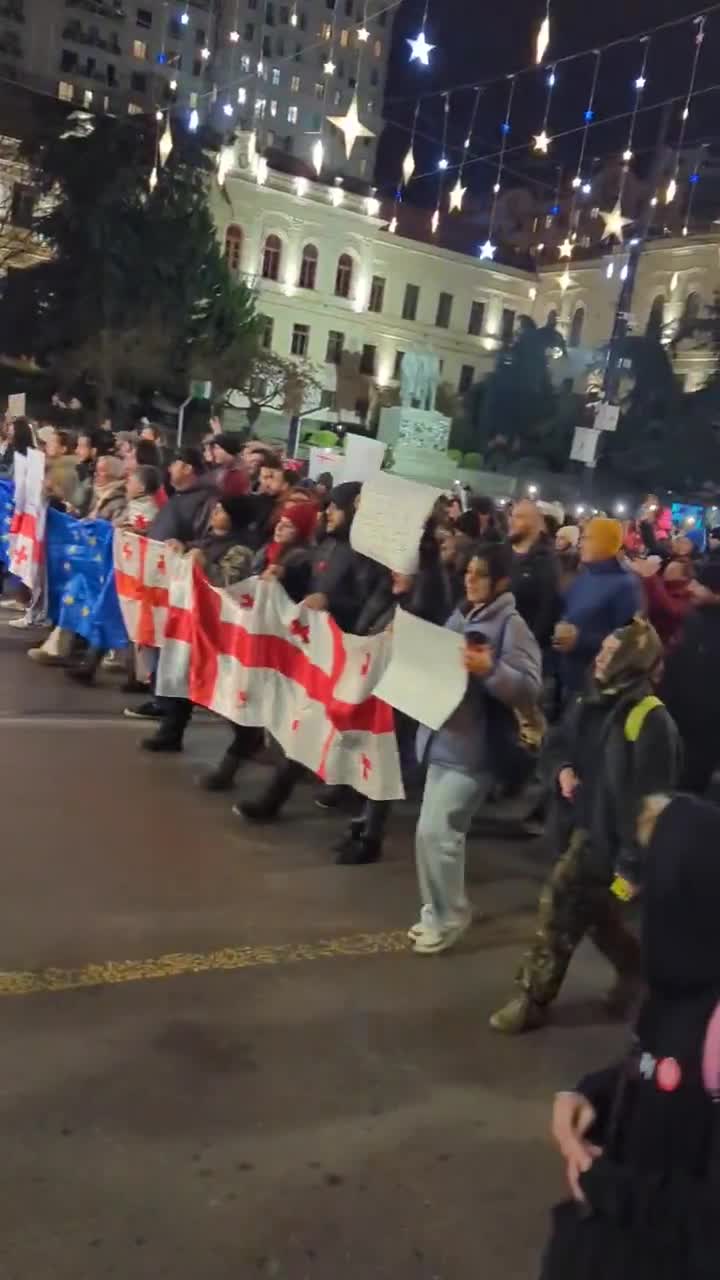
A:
81	580
7	506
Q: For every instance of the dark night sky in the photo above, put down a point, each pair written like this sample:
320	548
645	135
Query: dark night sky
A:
498	39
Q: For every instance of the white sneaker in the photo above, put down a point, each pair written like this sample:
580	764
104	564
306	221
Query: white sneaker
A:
21	622
433	941
424	924
13	604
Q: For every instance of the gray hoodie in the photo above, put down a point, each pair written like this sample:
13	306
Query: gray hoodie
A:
516	680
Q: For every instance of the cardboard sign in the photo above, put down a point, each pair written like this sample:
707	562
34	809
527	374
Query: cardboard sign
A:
390	519
363	457
418	648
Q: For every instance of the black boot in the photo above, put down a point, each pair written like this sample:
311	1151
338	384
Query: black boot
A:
222	777
354	833
166	739
280	790
359	853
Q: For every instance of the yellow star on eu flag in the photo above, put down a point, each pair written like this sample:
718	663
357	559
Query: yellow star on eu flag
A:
92	542
85	611
67	566
69	600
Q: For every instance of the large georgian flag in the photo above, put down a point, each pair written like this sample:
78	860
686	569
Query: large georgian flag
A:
254	657
27	528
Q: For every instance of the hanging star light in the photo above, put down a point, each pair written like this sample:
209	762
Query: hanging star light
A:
542	142
318	155
566	248
234	37
435	221
363	35
671	192
329	67
615	223
408	166
488	250
565	280
543	40
420	50
153	179
350	126
457	195
165	145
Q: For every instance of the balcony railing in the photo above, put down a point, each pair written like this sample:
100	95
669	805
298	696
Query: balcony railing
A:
76	32
103	8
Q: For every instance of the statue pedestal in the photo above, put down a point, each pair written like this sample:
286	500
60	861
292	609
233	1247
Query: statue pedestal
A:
416	429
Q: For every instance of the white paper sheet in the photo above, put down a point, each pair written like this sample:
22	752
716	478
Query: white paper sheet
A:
607	417
16	405
584	444
363	458
390	519
325	460
425	678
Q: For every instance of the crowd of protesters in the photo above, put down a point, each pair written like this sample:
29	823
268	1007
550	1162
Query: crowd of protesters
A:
591	648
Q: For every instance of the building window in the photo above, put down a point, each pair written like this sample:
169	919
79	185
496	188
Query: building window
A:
377	48
265	332
284	15
260	108
656	319
267	51
308	267
576	328
295	84
245	62
298	52
139	49
22	206
507	327
269	14
367	359
337	98
477	319
200	38
326	33
374	78
249	34
242	96
134	109
335	344
397	367
273	106
275	77
410	302
138	81
343	276
292	115
68	60
444	309
349	8
467	377
271	258
66	91
377	293
319	91
233	247
300	340
344	38
144	18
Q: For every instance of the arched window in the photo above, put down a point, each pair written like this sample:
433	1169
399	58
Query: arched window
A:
343	276
233	248
576	328
656	319
308	267
271	258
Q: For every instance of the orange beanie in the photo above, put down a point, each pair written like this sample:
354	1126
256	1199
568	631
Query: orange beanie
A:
607	535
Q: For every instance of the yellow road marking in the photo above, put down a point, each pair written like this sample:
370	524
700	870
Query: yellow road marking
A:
31	982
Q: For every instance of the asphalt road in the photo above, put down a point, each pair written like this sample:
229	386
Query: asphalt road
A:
219	1060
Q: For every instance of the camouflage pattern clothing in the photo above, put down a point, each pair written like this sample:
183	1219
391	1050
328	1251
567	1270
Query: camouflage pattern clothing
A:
573	903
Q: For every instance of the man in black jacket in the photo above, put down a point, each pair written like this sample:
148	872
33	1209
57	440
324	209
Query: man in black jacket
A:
534	580
185	516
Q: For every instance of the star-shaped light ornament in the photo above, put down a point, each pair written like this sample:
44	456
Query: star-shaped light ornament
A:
408	166
350	126
165	145
565	280
457	195
488	250
542	142
566	248
420	50
615	223
363	35
329	67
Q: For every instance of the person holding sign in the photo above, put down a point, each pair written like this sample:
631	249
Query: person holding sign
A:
504	666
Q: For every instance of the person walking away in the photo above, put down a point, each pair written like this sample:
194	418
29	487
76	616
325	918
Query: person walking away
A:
640	1139
690	681
603	597
616	745
534	580
504	667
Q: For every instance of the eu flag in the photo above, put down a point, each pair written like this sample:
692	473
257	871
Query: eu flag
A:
81	580
7	506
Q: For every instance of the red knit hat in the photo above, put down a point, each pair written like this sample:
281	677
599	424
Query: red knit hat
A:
303	515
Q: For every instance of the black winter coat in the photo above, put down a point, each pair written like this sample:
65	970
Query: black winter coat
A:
535	585
185	516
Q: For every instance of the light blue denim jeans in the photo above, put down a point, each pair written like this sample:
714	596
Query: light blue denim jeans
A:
450	802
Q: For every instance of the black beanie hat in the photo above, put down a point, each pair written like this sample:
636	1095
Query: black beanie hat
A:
344	495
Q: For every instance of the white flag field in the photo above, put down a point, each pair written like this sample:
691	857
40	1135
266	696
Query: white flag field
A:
256	658
27	530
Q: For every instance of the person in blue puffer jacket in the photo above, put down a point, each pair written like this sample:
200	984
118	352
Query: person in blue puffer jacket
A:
603	597
504	666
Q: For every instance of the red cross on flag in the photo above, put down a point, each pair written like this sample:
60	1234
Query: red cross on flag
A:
143	572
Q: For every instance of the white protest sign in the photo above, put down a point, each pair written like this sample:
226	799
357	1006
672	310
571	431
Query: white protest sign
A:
419	648
584	444
363	457
325	460
390	520
607	417
16	405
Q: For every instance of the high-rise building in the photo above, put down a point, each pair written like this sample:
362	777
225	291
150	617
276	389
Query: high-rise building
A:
283	69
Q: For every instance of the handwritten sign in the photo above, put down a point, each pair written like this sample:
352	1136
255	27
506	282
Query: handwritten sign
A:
363	457
390	520
16	405
419	648
325	460
584	445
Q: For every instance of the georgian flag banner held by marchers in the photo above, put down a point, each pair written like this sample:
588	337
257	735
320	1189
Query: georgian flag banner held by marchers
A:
256	658
27	530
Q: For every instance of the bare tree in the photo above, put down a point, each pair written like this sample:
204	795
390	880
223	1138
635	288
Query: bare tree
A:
292	386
